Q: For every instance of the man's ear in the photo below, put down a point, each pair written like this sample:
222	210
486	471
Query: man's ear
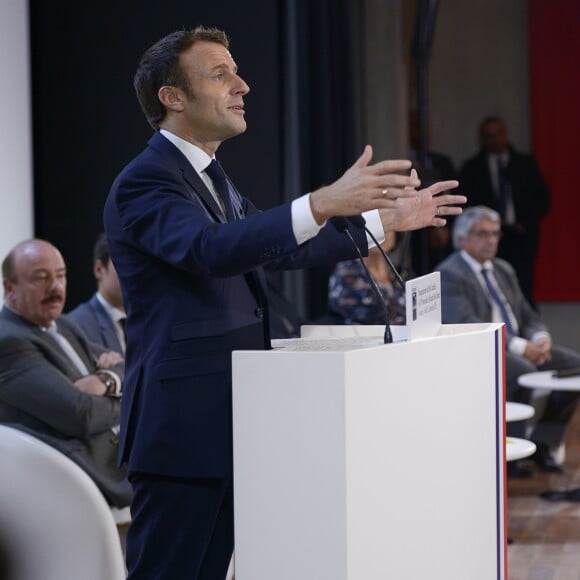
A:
8	289
98	268
171	98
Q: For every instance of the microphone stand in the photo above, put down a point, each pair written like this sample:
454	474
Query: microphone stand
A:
388	337
387	259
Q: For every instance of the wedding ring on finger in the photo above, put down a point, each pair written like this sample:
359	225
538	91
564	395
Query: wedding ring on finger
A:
437	211
384	191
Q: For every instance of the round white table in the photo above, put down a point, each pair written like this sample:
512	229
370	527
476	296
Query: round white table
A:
518	411
547	380
516	448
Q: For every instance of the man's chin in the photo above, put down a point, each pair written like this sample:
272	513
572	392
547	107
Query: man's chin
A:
52	313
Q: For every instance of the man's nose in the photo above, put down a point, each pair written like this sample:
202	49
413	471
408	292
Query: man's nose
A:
57	283
241	87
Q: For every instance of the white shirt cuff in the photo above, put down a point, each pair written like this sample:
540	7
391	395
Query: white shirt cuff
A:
517	345
374	224
540	334
304	225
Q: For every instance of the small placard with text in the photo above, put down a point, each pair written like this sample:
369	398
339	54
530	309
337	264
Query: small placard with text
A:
423	305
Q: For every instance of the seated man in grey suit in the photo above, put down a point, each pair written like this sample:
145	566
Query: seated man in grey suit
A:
479	287
53	383
102	318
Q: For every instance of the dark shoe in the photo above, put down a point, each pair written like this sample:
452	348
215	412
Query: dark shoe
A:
514	469
562	495
544	460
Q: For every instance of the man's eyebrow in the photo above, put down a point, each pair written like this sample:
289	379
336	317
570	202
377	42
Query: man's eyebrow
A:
223	66
47	271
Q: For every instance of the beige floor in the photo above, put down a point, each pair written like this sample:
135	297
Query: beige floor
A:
546	534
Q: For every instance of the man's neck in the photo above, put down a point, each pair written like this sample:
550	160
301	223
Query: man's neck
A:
209	147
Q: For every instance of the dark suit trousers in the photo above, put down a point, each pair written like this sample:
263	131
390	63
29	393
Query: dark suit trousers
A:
181	528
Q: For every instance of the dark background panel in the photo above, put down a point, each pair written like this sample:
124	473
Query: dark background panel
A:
88	124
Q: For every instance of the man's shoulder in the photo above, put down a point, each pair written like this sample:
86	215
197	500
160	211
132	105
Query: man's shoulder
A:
471	163
70	324
522	160
158	154
452	263
501	265
516	154
85	310
11	325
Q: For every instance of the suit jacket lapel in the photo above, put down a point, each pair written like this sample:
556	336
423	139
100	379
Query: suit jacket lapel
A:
482	305
203	193
199	190
106	325
80	346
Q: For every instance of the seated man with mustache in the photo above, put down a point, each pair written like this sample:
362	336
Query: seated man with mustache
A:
54	384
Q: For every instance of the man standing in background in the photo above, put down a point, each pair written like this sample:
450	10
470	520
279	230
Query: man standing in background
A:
510	183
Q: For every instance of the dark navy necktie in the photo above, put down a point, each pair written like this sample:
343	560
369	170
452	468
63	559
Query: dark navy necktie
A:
221	185
498	302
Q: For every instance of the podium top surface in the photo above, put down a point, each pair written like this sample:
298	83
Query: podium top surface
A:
345	338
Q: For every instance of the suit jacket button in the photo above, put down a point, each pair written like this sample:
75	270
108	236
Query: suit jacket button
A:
259	312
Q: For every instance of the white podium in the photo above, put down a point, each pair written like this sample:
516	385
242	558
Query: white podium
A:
355	460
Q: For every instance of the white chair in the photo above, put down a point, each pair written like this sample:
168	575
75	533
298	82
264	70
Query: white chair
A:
54	522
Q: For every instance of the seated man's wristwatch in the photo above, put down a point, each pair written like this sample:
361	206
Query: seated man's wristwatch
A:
111	382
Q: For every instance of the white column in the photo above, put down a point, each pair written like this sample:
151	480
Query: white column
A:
16	194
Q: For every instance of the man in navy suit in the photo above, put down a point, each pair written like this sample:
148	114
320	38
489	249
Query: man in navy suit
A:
102	318
189	251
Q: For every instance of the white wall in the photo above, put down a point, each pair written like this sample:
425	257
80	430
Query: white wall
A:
385	84
479	66
16	203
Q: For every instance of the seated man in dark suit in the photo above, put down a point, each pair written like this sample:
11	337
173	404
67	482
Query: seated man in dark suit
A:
54	384
102	318
479	287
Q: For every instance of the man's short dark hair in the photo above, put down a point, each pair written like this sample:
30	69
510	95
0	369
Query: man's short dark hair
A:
8	272
160	66
101	250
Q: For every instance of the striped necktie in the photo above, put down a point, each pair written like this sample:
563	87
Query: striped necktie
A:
499	302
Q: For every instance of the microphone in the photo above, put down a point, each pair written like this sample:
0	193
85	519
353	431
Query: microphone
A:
342	225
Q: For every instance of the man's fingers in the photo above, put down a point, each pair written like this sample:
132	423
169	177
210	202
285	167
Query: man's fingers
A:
450	199
391	166
394	181
365	158
443	186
